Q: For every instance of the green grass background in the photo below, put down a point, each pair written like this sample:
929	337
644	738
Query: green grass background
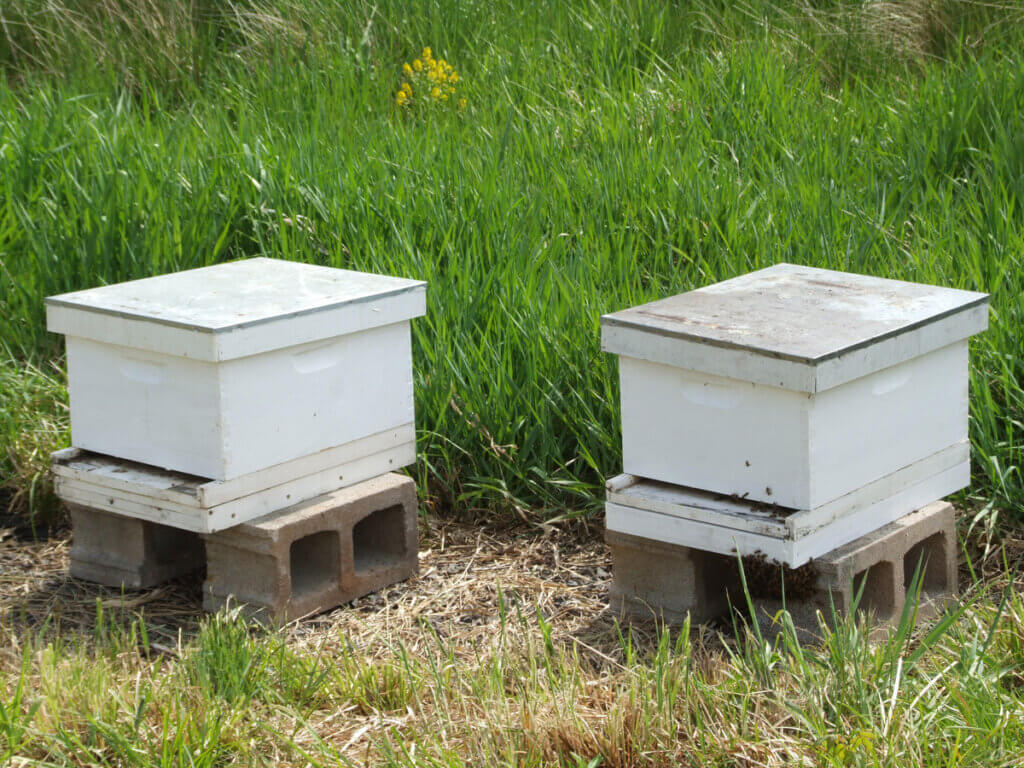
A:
610	153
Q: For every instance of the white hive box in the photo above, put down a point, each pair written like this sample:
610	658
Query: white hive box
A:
225	371
795	386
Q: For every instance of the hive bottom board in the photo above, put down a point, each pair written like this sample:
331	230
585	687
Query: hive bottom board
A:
726	525
206	506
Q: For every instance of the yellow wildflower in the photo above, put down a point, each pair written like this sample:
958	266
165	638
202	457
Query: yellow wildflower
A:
433	78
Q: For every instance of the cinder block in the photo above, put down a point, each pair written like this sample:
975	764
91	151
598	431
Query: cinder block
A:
126	552
884	563
653	578
316	555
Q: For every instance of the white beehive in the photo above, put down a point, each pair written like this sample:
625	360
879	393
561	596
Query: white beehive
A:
796	386
225	371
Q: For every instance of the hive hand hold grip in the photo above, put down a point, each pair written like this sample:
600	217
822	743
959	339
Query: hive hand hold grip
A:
320	358
721	397
143	371
890	380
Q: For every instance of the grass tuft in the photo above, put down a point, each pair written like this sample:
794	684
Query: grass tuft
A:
33	424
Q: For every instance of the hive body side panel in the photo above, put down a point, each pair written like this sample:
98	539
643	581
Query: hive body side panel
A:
714	434
301	400
868	428
144	406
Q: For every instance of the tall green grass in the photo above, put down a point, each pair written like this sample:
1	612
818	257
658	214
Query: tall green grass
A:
611	153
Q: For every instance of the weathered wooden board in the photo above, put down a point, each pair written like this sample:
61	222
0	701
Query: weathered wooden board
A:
189	490
771	520
173	499
802	316
730	528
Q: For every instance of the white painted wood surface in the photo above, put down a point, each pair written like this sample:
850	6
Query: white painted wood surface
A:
796	327
226	420
729	528
175	499
783	446
225	371
235	309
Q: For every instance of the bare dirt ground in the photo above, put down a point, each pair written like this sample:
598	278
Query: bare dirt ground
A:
466	573
469	574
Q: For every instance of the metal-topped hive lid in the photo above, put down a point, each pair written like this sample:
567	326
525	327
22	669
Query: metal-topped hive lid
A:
236	308
796	327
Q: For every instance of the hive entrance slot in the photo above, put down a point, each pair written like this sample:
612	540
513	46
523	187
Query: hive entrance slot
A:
379	539
931	555
878	597
315	563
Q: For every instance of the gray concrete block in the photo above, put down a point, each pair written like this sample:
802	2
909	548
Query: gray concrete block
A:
126	552
652	578
881	566
316	555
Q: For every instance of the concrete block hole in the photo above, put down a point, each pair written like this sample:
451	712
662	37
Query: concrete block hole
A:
315	563
878	598
931	555
379	539
169	543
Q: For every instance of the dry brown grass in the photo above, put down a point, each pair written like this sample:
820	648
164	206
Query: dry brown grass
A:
169	43
448	615
502	652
